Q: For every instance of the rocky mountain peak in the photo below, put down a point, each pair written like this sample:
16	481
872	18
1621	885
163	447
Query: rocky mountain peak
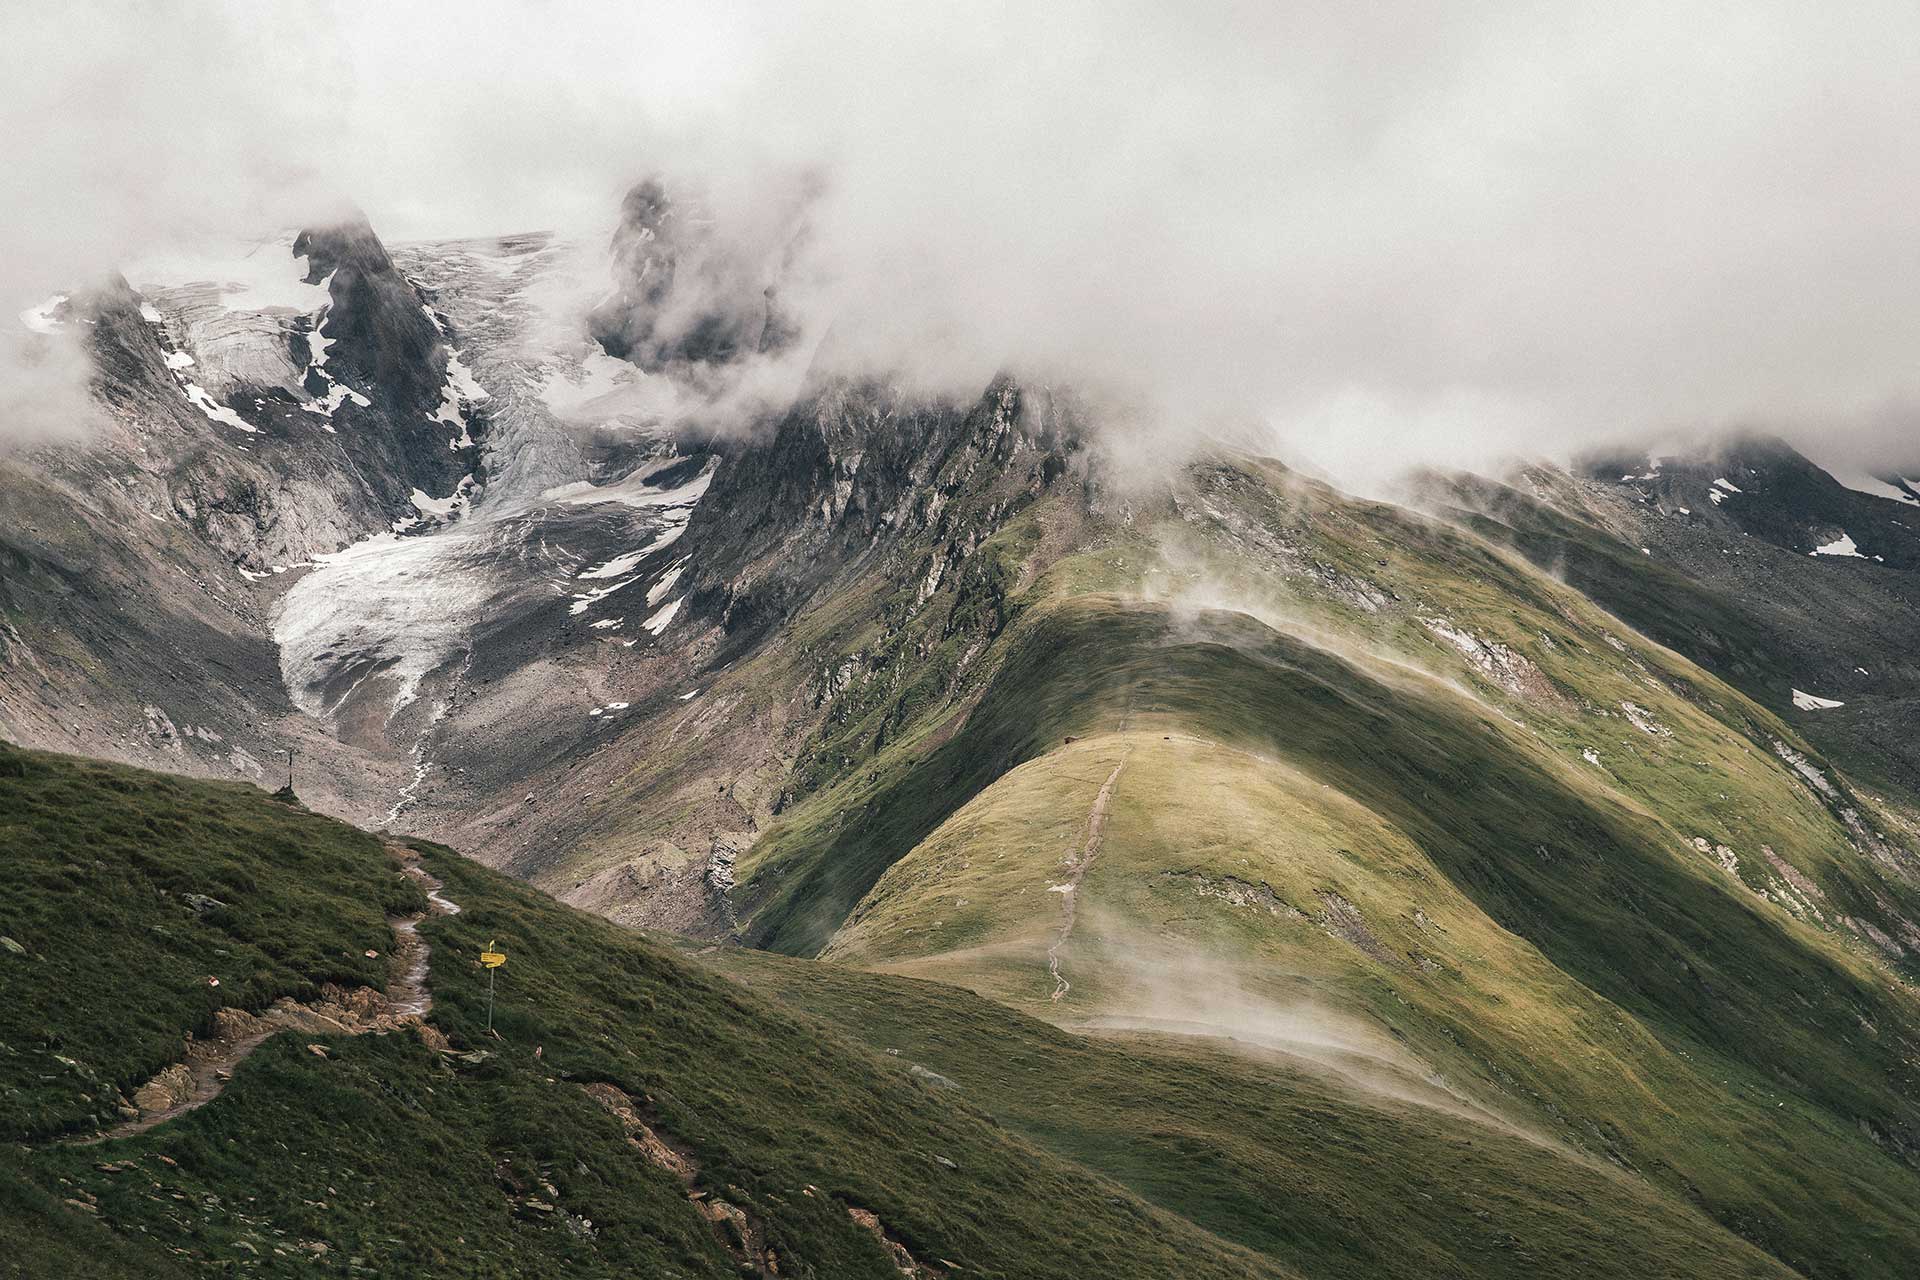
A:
862	470
687	299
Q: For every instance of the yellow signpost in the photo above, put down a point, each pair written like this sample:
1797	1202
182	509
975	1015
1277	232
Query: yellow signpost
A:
492	960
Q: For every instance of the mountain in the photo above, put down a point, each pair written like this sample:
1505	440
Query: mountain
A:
639	1113
1237	865
1750	560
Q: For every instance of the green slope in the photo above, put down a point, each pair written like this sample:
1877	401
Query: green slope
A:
387	1157
1057	1155
1364	764
1267	1150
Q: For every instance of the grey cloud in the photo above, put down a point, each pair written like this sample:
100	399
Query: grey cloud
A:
1373	234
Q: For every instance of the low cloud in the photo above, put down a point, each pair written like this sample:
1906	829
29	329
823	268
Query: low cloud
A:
1367	234
46	384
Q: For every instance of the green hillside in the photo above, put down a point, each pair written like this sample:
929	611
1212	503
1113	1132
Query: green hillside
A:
539	1150
387	1157
1368	779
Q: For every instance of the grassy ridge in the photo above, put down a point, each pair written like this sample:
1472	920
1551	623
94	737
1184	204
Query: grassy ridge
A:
1583	966
135	892
385	1157
1594	891
1266	1153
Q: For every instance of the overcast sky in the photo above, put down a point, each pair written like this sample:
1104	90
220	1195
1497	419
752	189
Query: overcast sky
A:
1383	232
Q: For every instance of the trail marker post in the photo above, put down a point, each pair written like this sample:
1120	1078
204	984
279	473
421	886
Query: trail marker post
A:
493	960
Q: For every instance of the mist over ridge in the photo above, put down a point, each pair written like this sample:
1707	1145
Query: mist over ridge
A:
1369	240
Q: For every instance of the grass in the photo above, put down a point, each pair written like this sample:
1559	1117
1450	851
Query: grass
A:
134	892
1732	1062
1550	937
1587	971
1261	1151
400	1160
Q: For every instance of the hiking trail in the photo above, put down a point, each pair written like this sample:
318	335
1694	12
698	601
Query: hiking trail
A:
208	1065
1077	863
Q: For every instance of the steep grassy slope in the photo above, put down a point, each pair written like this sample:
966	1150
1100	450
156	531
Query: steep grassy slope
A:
1766	618
1349	774
1271	1150
497	1156
136	904
385	1156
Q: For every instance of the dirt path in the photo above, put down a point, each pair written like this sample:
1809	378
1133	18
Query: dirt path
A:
209	1064
1077	864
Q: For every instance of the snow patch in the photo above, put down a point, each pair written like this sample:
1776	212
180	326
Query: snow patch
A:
636	489
1727	486
1840	546
1899	489
615	567
587	599
459	395
179	360
663	617
1808	702
658	590
204	401
337	392
450	508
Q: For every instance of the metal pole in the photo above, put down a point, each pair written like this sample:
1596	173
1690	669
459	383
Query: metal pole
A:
289	768
489	999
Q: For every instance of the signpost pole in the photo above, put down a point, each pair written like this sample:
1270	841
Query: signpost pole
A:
493	960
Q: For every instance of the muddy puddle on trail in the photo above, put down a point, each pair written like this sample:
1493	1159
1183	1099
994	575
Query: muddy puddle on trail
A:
208	1065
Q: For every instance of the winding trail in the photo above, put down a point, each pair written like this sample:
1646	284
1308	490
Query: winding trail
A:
203	1074
1078	863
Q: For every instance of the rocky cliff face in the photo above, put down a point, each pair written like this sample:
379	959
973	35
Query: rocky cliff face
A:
684	301
1762	487
861	476
255	410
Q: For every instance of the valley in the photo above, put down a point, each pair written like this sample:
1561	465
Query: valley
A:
922	850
